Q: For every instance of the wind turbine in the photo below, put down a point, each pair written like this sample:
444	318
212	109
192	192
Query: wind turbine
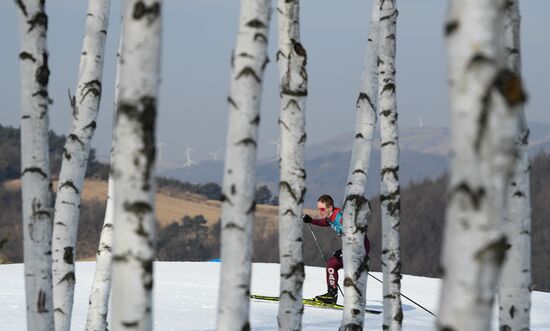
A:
188	162
215	154
159	148
278	143
420	121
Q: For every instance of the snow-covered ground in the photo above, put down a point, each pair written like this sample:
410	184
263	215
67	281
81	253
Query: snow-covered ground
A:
186	294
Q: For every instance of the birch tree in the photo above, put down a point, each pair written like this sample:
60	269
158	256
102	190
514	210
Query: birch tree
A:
98	303
291	59
356	206
247	67
85	106
485	99
133	166
515	279
390	198
35	163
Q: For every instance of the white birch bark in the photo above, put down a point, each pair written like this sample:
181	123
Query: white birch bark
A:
356	213
291	59
484	100
133	166
356	206
35	164
515	279
238	206
98	303
390	198
85	107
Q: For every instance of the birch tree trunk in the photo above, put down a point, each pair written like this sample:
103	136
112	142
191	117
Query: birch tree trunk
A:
291	59
75	161
356	206
515	278
35	164
98	303
133	166
248	63
356	213
485	99
390	198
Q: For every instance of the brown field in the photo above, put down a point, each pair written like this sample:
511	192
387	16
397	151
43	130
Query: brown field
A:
171	208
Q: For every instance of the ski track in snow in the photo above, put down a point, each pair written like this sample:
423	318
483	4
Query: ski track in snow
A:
185	298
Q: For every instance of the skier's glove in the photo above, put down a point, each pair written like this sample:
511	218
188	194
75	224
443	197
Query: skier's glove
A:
306	219
337	254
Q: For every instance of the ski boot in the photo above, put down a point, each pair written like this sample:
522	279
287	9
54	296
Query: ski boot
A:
330	297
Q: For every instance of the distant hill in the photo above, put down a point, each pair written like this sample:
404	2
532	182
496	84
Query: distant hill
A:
172	208
425	140
328	173
325	173
168	207
422	140
423	155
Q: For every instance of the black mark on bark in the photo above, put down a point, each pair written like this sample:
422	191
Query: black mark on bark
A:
26	56
248	71
42	74
476	196
35	170
138	208
41	302
68	255
150	13
92	87
247	141
39	19
257	24
70	184
451	27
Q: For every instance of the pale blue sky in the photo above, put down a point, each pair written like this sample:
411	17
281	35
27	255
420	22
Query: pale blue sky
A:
198	36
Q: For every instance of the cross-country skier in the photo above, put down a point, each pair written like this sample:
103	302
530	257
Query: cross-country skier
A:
331	216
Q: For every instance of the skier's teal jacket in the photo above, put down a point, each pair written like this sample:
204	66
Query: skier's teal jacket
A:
335	222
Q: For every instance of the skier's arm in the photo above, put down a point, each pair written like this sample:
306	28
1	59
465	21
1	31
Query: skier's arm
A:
320	221
317	221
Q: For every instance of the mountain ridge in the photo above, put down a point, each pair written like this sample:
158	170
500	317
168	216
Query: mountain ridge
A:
423	155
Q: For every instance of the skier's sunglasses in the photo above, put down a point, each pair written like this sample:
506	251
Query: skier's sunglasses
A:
322	210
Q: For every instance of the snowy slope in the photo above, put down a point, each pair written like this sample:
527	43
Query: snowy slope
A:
186	292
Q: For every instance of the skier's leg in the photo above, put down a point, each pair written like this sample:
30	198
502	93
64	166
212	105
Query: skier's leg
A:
333	265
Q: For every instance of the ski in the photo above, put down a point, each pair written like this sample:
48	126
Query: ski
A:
311	303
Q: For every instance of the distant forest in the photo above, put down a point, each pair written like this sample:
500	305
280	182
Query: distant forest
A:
190	239
195	241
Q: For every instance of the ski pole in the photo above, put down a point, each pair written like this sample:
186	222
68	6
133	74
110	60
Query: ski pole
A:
406	297
323	254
